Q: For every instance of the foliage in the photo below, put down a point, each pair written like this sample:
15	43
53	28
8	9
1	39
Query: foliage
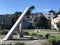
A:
33	34
49	24
39	22
53	41
58	25
26	33
15	16
47	35
52	11
4	32
40	35
15	33
31	27
51	38
19	43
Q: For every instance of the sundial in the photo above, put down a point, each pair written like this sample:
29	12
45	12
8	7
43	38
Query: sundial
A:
17	24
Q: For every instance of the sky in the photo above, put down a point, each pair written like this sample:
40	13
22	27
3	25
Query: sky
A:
11	6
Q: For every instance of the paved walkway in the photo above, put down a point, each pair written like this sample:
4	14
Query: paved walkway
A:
32	42
53	33
27	42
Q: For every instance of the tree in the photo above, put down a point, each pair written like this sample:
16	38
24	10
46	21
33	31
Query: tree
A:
15	16
54	13
49	24
58	25
41	22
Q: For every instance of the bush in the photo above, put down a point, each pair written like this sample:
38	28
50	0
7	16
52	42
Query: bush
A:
3	32
15	33
51	36
26	33
58	25
19	43
40	35
51	39
33	34
47	35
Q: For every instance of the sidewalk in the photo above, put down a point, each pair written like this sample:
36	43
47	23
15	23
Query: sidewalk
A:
53	33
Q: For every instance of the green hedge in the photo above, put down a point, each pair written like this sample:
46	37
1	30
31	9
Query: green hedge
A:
4	32
33	34
26	33
40	35
51	38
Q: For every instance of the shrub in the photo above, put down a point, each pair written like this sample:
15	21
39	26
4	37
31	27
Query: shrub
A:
15	33
51	36
58	25
47	35
51	39
33	34
40	35
4	32
26	33
19	43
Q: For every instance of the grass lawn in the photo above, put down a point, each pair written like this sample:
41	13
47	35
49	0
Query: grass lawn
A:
57	36
43	32
32	42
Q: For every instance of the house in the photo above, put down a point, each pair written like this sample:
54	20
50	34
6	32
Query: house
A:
50	15
54	18
54	22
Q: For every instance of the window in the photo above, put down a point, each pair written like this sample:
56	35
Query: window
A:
49	14
48	17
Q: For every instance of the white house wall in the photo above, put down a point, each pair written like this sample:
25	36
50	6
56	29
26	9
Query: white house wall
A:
55	21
